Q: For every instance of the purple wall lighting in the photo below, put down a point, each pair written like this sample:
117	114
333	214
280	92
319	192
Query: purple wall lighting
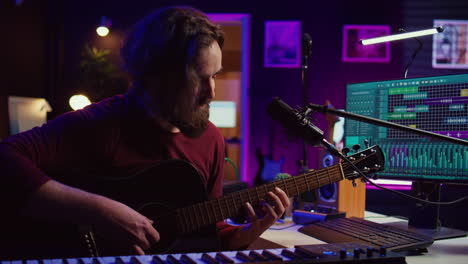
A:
282	44
353	51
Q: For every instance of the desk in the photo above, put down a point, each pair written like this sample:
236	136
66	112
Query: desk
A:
448	251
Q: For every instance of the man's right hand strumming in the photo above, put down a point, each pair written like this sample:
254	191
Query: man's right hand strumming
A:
132	231
127	227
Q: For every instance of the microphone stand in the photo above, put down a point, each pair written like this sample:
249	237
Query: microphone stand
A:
303	165
306	50
325	109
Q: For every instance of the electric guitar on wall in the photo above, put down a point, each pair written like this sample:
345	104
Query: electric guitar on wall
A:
185	216
268	166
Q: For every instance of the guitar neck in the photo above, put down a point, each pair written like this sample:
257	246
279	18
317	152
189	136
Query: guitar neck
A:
198	215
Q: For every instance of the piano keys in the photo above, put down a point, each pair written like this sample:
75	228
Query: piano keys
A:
321	253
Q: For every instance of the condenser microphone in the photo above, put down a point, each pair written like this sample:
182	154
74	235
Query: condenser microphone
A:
298	124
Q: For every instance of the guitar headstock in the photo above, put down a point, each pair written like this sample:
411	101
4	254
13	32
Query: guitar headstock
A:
369	160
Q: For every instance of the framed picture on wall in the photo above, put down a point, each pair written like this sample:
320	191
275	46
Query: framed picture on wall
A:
354	51
282	44
449	48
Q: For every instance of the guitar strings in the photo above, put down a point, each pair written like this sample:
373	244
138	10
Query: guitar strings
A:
322	177
202	213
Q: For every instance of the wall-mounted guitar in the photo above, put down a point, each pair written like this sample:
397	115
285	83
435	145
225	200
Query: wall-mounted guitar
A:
180	217
269	167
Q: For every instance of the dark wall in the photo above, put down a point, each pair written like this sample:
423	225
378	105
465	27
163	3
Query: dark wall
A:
24	55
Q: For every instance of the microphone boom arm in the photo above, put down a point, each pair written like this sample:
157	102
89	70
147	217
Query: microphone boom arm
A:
326	110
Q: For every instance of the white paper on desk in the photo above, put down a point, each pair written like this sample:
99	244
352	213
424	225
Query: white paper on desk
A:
26	112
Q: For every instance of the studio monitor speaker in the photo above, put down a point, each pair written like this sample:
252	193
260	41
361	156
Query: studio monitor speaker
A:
341	196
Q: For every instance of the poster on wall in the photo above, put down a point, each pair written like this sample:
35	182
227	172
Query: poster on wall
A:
282	44
449	48
354	51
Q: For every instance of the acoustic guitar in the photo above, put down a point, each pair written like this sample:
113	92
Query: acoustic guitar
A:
183	216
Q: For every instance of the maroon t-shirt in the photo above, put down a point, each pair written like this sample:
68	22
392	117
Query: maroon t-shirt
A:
115	138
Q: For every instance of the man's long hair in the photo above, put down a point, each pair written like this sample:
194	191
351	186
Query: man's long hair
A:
159	54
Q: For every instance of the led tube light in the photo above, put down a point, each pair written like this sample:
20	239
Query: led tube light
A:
402	36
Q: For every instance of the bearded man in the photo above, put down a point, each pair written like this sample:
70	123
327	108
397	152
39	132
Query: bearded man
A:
52	175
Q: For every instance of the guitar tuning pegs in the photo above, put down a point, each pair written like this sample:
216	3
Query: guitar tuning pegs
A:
356	147
345	151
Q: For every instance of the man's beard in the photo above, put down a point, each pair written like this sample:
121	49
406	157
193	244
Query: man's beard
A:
194	123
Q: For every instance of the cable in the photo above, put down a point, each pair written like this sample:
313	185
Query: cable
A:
413	56
236	170
397	192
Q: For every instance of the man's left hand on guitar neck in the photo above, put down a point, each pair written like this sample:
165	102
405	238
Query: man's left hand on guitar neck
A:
245	234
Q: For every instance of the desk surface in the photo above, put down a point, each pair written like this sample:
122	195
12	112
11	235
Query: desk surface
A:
448	251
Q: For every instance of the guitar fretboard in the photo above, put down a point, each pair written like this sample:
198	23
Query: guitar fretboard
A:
198	215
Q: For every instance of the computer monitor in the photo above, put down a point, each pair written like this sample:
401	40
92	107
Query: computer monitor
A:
437	104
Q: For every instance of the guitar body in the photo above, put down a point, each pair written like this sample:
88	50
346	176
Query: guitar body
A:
173	195
156	192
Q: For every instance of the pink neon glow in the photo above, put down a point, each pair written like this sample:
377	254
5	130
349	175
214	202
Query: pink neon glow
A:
353	51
